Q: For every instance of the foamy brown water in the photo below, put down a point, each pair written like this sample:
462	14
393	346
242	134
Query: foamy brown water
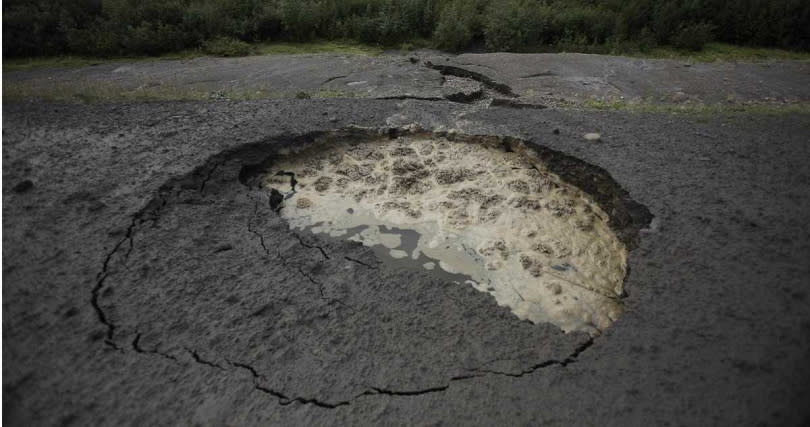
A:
535	243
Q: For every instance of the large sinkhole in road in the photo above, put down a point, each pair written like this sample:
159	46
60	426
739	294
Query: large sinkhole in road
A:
468	209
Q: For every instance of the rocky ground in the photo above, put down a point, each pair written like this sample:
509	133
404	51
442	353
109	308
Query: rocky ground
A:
145	283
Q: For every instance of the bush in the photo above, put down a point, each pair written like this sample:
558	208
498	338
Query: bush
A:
152	38
692	36
665	21
96	40
455	28
227	46
514	24
646	40
633	16
588	25
300	18
126	27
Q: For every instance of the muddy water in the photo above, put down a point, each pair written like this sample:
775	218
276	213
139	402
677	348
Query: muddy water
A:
475	214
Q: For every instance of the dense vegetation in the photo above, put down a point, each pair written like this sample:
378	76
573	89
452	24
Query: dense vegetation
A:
126	27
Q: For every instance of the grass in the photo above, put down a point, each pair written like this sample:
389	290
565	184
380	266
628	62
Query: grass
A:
279	48
26	64
72	61
342	47
701	110
95	92
713	52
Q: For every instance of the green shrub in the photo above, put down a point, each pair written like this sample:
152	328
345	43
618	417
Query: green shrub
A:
586	24
571	41
692	36
456	26
632	17
300	18
227	46
152	38
666	17
513	24
646	40
126	27
96	40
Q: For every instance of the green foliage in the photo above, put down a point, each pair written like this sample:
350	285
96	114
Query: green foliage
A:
153	27
300	18
692	36
514	24
646	40
589	24
227	46
456	26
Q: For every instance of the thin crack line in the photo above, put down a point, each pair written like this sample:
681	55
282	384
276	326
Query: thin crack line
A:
320	290
331	79
197	358
285	400
307	245
96	291
361	263
138	349
487	81
209	175
553	362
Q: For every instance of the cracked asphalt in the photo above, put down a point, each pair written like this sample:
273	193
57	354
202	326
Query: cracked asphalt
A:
146	282
536	80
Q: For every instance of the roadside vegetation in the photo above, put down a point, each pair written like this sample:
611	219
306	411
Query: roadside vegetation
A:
699	110
99	92
126	28
265	48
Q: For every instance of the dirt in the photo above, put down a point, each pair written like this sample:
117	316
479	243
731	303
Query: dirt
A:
146	283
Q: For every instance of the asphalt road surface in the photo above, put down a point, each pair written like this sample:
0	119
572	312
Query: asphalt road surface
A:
146	282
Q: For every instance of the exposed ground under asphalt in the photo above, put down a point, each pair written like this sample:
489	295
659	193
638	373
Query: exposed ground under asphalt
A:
147	282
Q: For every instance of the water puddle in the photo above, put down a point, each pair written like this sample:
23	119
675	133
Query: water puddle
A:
471	213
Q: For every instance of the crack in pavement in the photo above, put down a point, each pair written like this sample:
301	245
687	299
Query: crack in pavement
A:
138	349
319	285
307	245
100	278
298	268
152	212
95	294
256	233
508	103
209	175
282	398
361	263
563	363
331	79
487	82
540	74
501	88
197	358
418	98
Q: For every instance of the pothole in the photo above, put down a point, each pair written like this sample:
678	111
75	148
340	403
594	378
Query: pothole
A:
208	272
478	211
